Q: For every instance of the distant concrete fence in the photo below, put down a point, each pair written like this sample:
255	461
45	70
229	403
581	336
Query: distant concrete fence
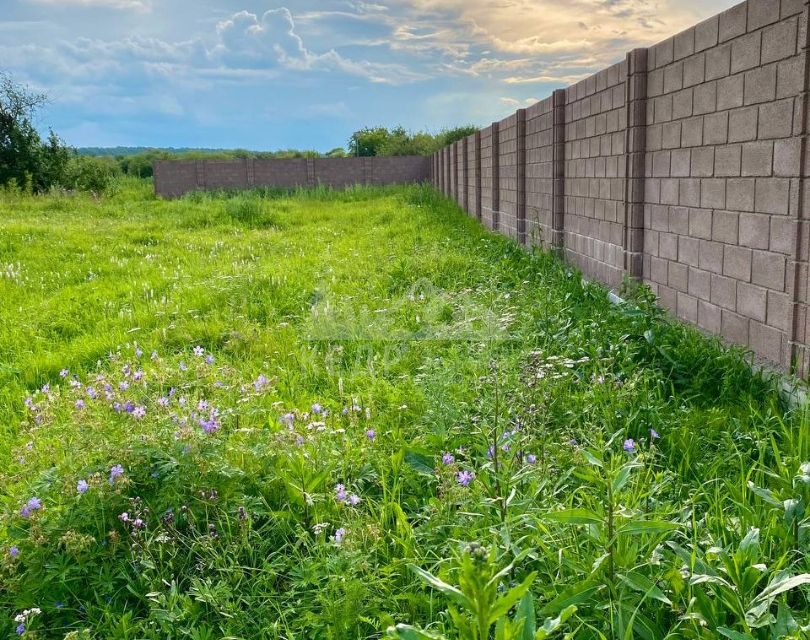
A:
173	178
684	166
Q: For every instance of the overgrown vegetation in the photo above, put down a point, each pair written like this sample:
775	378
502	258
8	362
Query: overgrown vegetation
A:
349	415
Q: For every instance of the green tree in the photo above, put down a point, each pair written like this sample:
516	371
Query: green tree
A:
24	158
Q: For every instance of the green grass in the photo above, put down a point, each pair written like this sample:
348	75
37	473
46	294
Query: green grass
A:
421	335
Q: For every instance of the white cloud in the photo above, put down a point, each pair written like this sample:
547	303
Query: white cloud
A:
247	41
138	5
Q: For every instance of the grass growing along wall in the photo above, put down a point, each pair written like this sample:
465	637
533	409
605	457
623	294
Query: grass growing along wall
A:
379	382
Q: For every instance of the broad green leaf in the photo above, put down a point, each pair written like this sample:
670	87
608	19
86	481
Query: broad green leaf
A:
734	635
553	624
780	584
574	516
419	460
641	583
506	602
525	615
637	527
449	590
592	459
573	595
407	632
766	494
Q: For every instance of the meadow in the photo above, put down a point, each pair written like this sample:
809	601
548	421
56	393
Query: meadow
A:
360	415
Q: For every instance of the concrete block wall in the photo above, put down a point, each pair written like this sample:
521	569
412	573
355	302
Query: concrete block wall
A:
683	166
173	178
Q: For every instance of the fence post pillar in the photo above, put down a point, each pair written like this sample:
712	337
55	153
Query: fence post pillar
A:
199	169
520	169
635	147
558	171
250	174
496	175
478	174
465	172
310	172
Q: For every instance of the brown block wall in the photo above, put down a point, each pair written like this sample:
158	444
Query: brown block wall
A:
173	178
683	165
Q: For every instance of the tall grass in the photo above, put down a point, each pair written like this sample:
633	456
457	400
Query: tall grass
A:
355	414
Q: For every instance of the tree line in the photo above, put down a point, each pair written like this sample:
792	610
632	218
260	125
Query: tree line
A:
32	164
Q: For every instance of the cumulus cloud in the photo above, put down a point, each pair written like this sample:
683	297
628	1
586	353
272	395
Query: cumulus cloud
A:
247	41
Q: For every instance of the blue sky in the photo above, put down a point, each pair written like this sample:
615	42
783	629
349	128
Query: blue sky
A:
265	75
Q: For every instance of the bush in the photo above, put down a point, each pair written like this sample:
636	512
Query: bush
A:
84	173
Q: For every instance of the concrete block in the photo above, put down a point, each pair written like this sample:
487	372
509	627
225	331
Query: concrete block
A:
725	226
742	124
699	283
745	52
737	263
705	97
727	161
731	92
755	230
716	128
757	159
787	157
760	85
740	194
779	41
734	327
724	292
708	316
702	162
768	270
711	256
776	119
772	195
713	193
732	22
700	223
718	62
752	301
762	13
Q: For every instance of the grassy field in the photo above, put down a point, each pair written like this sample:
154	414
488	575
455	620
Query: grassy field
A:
356	415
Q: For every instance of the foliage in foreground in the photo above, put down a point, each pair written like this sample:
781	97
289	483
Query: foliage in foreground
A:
328	415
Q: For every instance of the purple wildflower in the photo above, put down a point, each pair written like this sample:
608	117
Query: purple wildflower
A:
531	458
138	352
209	359
199	351
139	412
464	478
34	503
354	500
13	552
260	383
124	517
129	407
123	385
116	472
183	366
629	445
340	493
371	434
317	408
339	535
80	404
654	434
64	373
138	375
20	629
448	458
163	402
154	355
82	486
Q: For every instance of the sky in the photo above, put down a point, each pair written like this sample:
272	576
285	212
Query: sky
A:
265	75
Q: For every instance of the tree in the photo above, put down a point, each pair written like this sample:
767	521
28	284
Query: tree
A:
24	158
